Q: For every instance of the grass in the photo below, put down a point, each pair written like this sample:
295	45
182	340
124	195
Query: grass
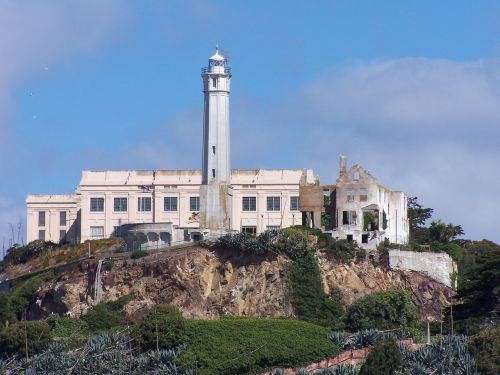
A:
245	345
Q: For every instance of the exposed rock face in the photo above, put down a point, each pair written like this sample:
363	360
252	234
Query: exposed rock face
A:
206	285
359	279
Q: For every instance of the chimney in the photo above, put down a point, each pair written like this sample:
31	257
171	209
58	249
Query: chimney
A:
342	165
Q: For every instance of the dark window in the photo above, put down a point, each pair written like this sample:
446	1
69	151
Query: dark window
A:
62	218
294	203
273	203
213	149
170	204
349	217
120	204
349	238
213	173
194	203
96	204
249	203
144	204
249	230
41	218
41	234
214	82
364	238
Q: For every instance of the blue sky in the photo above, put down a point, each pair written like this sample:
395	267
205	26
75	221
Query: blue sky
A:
408	89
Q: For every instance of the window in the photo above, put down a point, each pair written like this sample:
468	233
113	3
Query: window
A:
41	234
194	203
249	203
62	218
273	203
214	82
213	149
273	227
144	204
294	203
96	232
363	194
213	173
364	238
120	204
350	195
96	204
170	204
62	234
349	217
41	218
249	230
350	238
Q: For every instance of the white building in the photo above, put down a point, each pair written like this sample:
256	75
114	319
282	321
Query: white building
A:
153	208
166	206
367	212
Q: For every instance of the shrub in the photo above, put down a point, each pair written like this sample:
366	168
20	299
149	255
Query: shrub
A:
343	251
163	327
305	289
382	310
63	326
107	315
383	359
33	335
139	254
232	346
485	347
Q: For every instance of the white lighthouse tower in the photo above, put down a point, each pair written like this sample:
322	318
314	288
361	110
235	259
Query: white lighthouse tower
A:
216	175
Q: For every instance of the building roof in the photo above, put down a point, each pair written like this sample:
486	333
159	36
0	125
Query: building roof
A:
217	56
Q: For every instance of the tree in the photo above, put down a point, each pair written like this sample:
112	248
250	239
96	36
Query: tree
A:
384	359
31	335
442	232
162	328
417	217
485	347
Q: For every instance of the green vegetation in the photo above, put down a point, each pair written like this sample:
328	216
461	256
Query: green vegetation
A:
384	359
382	310
107	315
163	327
305	289
21	254
28	336
63	326
485	347
137	254
244	345
343	251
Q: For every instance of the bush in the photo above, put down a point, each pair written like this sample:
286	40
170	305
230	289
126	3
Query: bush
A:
63	326
232	346
107	315
485	347
33	335
139	254
343	251
382	310
305	289
21	254
383	359
163	327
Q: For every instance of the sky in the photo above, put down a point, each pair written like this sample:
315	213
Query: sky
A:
408	89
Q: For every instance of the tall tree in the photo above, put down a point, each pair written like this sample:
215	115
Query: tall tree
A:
417	217
442	232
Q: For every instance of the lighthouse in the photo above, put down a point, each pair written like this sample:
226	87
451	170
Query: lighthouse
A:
215	200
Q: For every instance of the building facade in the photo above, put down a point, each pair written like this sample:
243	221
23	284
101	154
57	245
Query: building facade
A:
365	211
153	208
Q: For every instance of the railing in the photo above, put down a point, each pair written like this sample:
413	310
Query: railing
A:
226	70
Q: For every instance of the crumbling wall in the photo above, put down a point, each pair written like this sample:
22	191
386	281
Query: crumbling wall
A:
439	266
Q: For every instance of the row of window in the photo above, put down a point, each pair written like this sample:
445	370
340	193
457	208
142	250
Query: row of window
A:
143	204
272	203
62	218
171	204
62	235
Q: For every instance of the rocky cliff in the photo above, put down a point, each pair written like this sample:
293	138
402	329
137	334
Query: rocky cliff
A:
207	284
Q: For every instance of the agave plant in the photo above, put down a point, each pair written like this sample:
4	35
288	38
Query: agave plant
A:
341	339
365	338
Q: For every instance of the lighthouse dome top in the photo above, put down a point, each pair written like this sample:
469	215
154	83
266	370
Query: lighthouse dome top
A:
217	64
216	56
